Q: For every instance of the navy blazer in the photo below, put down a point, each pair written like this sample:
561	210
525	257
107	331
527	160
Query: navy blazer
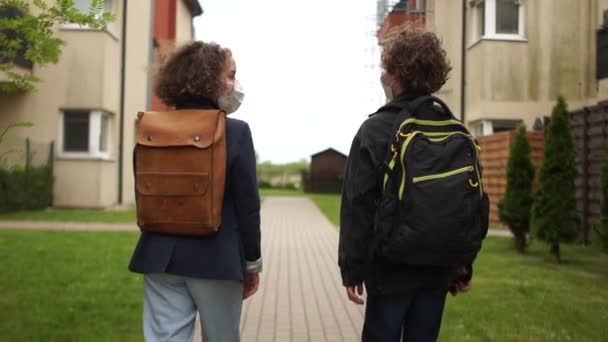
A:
225	254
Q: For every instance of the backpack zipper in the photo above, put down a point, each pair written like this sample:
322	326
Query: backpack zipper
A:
444	174
435	137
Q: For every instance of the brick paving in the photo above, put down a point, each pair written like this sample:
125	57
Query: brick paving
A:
301	297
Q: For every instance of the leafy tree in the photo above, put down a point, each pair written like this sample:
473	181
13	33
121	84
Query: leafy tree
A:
293	167
514	208
554	216
27	32
602	227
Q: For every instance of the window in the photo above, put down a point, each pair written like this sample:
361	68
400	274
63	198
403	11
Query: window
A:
488	127
498	19
103	136
12	36
85	134
507	17
85	5
82	5
602	54
76	132
482	128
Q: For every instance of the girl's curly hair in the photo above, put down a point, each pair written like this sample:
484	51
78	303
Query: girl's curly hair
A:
415	58
192	73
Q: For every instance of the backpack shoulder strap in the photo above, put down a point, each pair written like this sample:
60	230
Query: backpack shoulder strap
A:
422	100
387	166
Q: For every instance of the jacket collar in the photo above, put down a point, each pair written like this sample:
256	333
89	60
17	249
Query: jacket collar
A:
396	104
197	104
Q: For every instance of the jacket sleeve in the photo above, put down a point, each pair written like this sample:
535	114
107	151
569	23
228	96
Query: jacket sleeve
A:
247	200
359	194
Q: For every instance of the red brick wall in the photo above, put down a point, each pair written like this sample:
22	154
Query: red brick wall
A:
164	19
164	36
397	18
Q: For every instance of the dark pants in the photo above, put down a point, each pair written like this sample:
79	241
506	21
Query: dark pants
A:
414	315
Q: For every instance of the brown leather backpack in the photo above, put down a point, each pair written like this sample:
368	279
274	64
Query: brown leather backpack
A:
180	170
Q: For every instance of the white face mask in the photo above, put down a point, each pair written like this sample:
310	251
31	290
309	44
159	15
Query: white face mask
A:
388	92
231	102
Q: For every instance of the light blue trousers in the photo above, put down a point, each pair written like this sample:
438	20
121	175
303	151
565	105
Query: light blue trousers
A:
171	302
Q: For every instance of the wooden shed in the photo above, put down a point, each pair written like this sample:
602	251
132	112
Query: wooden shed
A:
326	172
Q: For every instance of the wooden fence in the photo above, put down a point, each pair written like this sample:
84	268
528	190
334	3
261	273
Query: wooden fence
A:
494	157
590	131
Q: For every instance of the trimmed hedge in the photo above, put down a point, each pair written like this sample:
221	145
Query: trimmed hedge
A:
25	189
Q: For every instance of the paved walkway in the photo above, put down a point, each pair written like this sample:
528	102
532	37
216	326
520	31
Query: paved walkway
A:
85	226
301	297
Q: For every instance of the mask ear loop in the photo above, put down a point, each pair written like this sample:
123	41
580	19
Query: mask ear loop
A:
388	91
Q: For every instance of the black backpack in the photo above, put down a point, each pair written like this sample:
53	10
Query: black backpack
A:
433	210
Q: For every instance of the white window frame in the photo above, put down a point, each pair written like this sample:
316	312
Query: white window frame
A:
420	6
109	6
94	151
490	22
483	127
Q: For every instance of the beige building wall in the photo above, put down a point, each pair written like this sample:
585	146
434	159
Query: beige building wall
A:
93	179
521	79
445	19
183	23
87	77
83	79
91	63
137	92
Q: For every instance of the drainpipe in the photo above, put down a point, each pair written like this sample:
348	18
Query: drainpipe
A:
121	118
463	61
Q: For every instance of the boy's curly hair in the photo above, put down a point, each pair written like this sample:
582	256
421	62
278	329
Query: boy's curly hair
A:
416	59
192	73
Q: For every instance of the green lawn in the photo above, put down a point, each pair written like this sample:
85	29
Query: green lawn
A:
527	297
531	298
68	286
74	286
329	205
280	192
73	215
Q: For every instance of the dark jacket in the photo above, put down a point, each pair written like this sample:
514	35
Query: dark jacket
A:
226	254
360	193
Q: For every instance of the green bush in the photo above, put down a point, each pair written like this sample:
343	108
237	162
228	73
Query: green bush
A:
22	189
514	208
262	184
554	216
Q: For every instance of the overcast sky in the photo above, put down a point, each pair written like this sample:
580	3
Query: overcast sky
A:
304	66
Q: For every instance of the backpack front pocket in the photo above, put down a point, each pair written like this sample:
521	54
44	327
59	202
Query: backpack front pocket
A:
443	175
437	212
